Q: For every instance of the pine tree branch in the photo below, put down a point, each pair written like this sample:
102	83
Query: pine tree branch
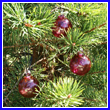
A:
63	62
97	43
103	43
38	61
95	28
13	46
97	72
96	100
90	85
31	44
92	99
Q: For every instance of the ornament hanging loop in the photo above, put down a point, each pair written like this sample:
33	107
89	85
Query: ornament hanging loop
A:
27	72
80	52
63	12
81	49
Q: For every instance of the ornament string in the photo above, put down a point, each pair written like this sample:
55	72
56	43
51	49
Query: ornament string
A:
25	54
28	53
24	49
27	61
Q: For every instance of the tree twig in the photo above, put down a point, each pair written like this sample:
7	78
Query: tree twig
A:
96	100
98	72
13	46
38	61
92	100
95	28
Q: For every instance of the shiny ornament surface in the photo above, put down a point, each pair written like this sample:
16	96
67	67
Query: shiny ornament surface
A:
27	86
80	64
61	26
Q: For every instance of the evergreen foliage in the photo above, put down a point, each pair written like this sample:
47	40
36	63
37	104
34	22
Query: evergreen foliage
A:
28	42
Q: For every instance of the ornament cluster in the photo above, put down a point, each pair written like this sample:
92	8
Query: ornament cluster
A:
79	64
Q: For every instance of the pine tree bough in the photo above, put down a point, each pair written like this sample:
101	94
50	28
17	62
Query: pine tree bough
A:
95	28
28	40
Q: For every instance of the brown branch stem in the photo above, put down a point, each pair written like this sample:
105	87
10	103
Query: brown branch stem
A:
95	100
98	72
13	46
95	28
92	100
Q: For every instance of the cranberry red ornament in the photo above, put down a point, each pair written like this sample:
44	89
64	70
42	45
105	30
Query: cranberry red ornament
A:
28	85
80	64
61	26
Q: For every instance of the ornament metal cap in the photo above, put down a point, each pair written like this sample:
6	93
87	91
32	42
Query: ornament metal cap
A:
28	72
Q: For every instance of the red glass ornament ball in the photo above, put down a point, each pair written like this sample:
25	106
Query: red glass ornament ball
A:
61	26
27	86
80	64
